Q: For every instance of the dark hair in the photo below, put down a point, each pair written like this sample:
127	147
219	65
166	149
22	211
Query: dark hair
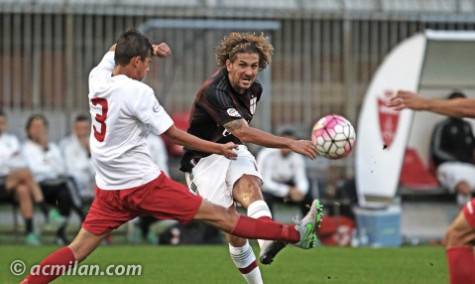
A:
2	113
34	117
82	118
131	44
456	95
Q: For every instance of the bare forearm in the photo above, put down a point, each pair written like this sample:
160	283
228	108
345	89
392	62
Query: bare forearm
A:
454	107
262	138
181	137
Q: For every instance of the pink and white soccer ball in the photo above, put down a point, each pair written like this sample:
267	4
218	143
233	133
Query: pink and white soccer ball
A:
334	136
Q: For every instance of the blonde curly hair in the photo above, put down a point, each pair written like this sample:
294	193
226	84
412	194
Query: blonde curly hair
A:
235	43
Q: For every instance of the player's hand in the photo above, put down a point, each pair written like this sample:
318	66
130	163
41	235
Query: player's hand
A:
295	195
228	150
304	147
162	50
407	99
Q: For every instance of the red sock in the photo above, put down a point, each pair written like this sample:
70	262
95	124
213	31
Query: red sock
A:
265	229
63	256
461	265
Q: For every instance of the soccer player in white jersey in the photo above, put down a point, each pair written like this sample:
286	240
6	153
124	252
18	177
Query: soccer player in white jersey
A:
128	182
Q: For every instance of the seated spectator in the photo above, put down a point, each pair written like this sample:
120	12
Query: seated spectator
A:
284	176
453	154
77	157
47	165
16	181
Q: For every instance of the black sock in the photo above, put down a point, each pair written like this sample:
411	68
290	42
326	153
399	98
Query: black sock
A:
29	226
61	234
44	208
80	213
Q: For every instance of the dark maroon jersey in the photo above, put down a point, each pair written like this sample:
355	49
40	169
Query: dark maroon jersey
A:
216	104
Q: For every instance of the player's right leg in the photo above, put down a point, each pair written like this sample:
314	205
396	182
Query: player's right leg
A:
78	250
301	235
459	246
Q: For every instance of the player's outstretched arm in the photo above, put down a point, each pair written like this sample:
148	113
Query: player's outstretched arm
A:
241	129
462	107
192	142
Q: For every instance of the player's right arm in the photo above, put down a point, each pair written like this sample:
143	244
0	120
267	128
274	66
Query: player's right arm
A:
102	72
247	134
463	107
190	141
149	111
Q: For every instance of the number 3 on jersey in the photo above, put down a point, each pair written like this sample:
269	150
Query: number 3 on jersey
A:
100	134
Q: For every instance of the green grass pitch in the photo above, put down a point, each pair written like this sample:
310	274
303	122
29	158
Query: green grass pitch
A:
211	264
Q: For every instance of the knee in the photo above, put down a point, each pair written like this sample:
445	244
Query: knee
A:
22	193
25	175
247	190
250	182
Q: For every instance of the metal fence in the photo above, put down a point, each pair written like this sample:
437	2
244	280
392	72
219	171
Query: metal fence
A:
323	61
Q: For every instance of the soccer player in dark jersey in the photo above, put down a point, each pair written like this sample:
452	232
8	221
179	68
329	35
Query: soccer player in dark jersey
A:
223	108
460	237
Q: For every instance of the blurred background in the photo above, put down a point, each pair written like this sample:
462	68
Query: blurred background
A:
326	53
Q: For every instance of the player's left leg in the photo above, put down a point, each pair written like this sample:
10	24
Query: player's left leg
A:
106	213
244	259
78	250
459	246
247	191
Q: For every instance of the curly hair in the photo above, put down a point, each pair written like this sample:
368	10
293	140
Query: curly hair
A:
235	43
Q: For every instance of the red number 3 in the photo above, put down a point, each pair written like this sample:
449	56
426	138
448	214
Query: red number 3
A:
100	118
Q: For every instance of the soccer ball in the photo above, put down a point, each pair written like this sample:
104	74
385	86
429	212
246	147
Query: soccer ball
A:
334	136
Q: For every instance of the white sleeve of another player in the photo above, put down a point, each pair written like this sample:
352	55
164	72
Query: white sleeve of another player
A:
102	72
149	111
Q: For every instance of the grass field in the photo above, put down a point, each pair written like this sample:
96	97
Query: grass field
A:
211	264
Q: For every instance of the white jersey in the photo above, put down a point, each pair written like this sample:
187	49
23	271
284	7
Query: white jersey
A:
10	155
44	164
277	171
122	110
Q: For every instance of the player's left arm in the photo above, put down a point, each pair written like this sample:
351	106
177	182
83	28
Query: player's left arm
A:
247	134
190	141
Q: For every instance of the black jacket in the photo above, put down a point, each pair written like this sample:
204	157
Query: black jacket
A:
452	140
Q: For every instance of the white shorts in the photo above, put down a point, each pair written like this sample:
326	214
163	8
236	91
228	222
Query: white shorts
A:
450	174
213	177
